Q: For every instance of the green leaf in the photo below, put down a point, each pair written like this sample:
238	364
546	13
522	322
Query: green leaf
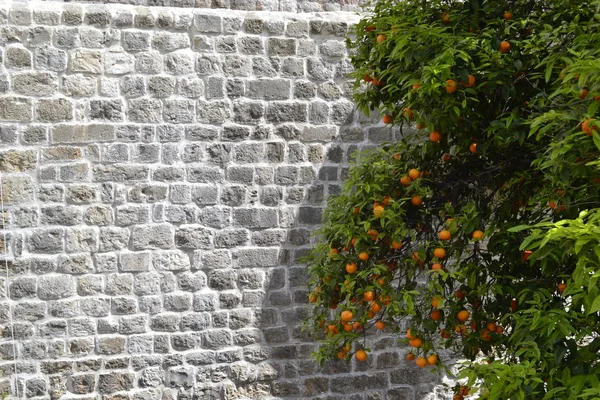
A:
595	306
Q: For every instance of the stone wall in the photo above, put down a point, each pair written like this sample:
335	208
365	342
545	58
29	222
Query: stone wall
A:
161	171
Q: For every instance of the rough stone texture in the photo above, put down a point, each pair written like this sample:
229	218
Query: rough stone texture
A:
161	171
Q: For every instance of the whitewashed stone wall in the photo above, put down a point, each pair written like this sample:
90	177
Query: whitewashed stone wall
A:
162	169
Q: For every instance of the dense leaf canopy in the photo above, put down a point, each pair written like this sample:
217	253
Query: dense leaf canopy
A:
482	224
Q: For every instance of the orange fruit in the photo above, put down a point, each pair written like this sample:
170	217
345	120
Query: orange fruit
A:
381	38
333	329
367	78
414	174
370	28
458	397
439	252
435	302
341	355
411	357
445	18
471	81
491	326
451	86
416	201
409	334
348	327
369	296
526	254
351	268
583	94
486	335
463	315
464	390
585	127
396	245
477	235
504	47
373	233
407	112
436	315
460	294
387	119
375	307
432	359
347	316
357	326
420	125
437	267
446	157
461	329
356	210
508	15
405	181
353	242
415	342
561	287
445	335
387	200
312	297
378	211
473	148
364	256
435	137
416	86
445	235
499	329
334	251
361	355
380	325
421	362
513	305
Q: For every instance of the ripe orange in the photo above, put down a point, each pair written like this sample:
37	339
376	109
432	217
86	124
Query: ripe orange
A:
432	359
387	119
446	18
373	233
446	157
380	38
499	329
526	254
341	355
445	235
312	297
378	211
416	86
409	334
375	307
508	15
436	315
458	397
351	268
361	355
396	156
415	342
451	86
464	390
486	335
347	316
356	210
387	200
421	362
473	147
380	325
405	181
370	28
477	235
561	287
491	326
504	47
348	327
463	315
461	329
375	81
396	245
364	256
460	294
583	94
439	252
420	125
407	112
414	174
435	137
357	326
513	305
437	267
445	334
367	78
410	357
369	296
585	127
416	201
471	81
333	329
435	302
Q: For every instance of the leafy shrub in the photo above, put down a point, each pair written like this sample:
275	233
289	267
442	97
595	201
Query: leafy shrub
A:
482	225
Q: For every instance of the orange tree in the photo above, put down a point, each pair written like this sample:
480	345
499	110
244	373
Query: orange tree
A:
482	224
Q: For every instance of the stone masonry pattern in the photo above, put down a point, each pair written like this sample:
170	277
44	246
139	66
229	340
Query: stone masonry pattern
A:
162	170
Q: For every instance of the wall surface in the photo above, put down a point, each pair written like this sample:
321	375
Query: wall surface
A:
161	171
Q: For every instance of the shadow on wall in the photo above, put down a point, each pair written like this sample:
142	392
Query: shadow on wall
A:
162	170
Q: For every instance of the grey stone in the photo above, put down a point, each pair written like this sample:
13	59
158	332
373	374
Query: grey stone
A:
17	57
207	23
54	110
269	89
16	109
157	236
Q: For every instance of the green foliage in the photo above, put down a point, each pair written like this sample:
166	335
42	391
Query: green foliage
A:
517	159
